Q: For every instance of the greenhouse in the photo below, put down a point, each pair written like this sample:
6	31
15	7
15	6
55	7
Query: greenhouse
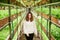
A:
46	14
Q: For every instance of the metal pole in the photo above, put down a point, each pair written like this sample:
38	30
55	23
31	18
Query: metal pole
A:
9	19
12	29
47	28
50	21
41	23
17	19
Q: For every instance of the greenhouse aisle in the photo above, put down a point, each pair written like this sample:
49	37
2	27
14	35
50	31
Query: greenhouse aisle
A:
46	14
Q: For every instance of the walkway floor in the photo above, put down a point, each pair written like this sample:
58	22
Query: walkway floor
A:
23	38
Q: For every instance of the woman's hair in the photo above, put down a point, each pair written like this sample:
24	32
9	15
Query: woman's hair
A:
27	17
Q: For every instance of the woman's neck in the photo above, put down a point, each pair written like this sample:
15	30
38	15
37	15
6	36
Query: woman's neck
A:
29	19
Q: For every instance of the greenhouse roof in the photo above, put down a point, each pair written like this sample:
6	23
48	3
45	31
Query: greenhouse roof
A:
22	2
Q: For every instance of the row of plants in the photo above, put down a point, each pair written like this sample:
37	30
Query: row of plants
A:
44	37
55	31
54	11
5	13
5	32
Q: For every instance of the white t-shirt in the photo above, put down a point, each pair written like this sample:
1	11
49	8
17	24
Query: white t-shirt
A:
29	27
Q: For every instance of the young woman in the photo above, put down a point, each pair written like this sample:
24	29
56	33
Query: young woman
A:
29	27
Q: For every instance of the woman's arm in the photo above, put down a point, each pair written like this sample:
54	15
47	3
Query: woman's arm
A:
35	29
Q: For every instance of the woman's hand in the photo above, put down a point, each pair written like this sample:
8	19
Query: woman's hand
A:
36	35
27	34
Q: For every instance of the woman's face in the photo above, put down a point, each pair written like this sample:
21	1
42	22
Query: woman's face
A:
29	16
